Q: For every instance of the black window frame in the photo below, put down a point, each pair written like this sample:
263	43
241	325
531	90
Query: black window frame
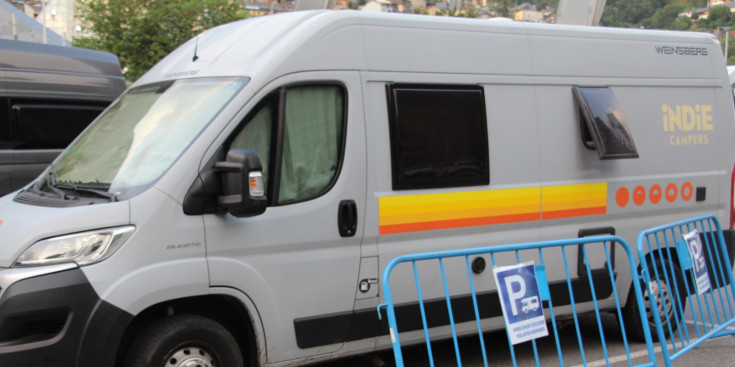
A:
595	133
476	121
276	100
16	106
6	135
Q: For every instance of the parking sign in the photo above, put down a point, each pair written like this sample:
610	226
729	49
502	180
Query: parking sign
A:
699	264
521	302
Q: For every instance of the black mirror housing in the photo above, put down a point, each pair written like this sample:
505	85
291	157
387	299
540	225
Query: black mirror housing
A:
240	196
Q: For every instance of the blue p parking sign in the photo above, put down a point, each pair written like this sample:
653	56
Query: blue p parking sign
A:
521	302
699	263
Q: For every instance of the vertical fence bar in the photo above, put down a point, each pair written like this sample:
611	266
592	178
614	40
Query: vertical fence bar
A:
476	309
427	338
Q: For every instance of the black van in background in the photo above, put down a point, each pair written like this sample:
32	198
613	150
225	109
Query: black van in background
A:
48	95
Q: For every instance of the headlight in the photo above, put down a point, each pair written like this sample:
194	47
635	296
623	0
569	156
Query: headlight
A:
83	248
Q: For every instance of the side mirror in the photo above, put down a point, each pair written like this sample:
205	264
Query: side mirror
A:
243	189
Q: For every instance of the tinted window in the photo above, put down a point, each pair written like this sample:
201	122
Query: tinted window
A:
438	136
50	126
297	133
603	125
5	138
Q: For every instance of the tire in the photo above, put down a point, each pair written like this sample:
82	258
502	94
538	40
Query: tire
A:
184	341
667	305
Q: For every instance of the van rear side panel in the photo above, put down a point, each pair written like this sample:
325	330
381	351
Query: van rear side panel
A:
671	108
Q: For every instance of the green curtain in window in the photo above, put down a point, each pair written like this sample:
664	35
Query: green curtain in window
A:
312	135
256	136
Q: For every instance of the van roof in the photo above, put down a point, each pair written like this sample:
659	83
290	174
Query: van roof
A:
38	56
39	71
353	40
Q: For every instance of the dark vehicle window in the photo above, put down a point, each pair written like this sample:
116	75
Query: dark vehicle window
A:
5	138
50	126
603	125
438	136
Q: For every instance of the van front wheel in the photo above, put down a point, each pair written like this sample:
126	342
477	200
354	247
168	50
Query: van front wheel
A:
182	341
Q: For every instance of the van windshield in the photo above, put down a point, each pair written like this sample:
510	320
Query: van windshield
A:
141	135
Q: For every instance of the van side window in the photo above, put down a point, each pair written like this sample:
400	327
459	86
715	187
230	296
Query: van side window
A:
6	141
49	125
603	125
300	155
258	132
438	136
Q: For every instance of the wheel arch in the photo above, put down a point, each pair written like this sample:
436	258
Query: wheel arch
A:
239	317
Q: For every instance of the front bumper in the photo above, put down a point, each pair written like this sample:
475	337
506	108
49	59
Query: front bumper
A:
58	319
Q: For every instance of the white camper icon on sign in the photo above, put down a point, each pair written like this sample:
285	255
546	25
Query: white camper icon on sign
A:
529	304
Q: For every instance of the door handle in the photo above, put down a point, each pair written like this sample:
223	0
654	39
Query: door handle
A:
347	218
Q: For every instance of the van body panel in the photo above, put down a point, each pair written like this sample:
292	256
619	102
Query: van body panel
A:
595	47
32	83
167	259
514	177
68	59
308	288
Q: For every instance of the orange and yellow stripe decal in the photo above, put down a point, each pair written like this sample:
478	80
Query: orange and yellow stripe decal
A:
568	201
415	213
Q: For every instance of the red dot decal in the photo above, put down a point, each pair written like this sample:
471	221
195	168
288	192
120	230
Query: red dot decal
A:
655	194
671	192
622	196
639	195
687	191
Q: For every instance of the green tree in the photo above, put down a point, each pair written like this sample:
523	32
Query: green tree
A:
682	24
141	32
666	17
505	6
612	18
696	3
629	13
720	16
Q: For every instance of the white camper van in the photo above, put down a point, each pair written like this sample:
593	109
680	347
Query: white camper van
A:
237	204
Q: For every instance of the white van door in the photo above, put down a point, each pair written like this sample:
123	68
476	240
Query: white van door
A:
298	262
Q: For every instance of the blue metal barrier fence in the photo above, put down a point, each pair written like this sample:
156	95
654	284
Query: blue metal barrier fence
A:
688	283
570	296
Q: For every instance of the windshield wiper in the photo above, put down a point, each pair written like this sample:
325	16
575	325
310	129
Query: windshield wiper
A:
88	190
51	183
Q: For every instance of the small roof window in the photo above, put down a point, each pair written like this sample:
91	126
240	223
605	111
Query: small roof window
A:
603	125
